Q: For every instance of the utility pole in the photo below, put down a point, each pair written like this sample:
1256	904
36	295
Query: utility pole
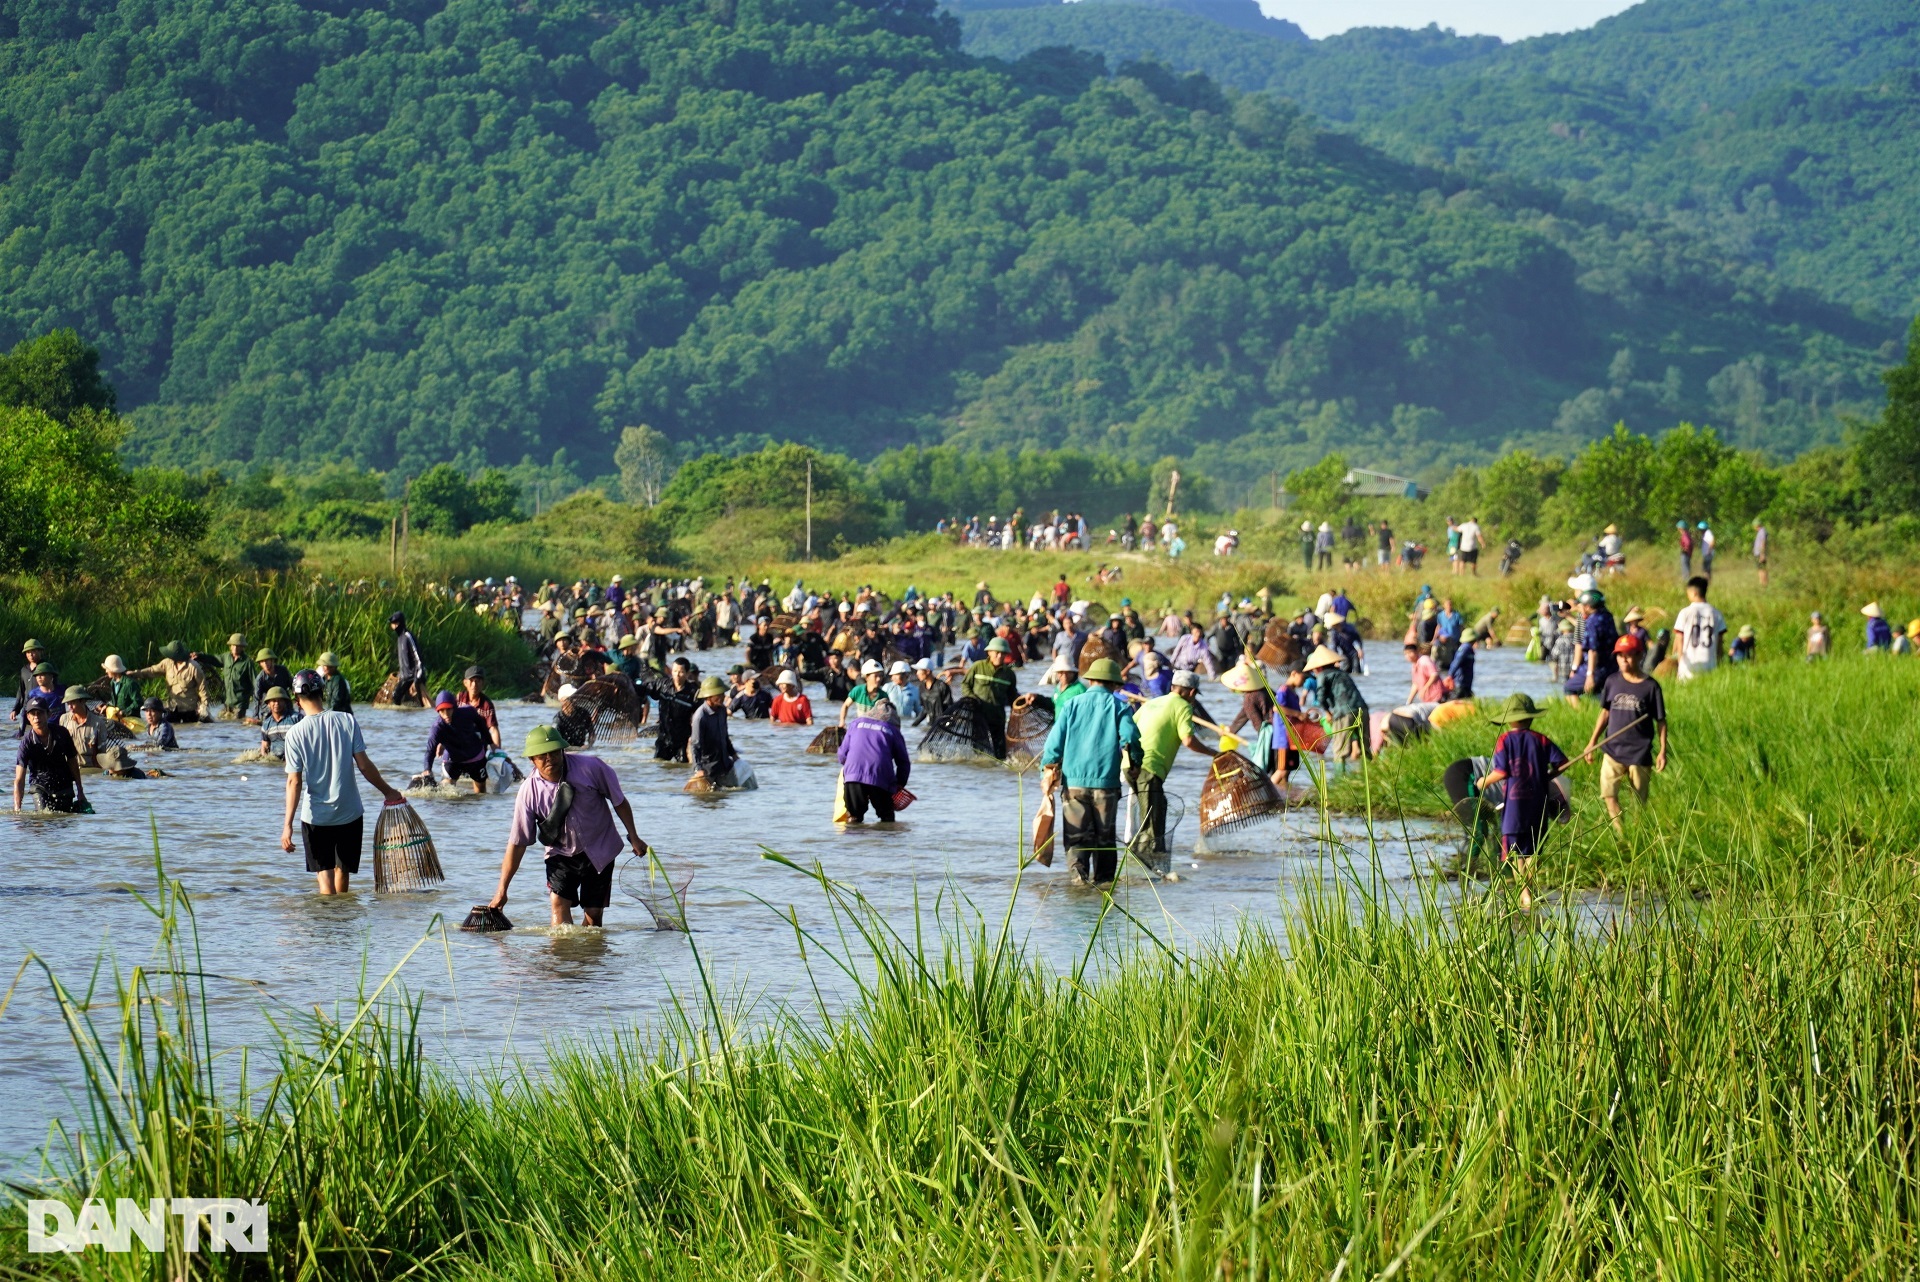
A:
406	499
809	509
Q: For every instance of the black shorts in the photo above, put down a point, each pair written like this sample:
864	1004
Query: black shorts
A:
1469	557
331	846
572	877
475	770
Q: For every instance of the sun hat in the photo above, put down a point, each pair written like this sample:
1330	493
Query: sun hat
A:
114	664
712	687
175	651
1518	707
923	665
1104	670
543	739
307	681
1242	677
1611	529
1061	663
900	668
786	678
998	646
1322	658
76	694
1633	615
1746	630
567	690
1185	681
444	699
275	692
1871	609
871	669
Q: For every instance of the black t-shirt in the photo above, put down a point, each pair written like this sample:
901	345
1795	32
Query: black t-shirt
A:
1626	702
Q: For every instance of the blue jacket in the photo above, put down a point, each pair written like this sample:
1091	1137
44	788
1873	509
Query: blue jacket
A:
1086	741
874	752
1461	670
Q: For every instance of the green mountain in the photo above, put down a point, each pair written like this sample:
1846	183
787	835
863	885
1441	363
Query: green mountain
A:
454	230
1782	129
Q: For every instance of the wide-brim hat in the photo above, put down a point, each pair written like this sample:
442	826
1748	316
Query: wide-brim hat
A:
1518	707
543	739
1611	529
1634	615
1871	609
1105	670
1321	658
114	665
786	678
711	687
175	651
1243	677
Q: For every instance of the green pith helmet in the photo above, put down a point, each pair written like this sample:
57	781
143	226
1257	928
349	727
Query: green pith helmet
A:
999	646
265	655
75	694
1518	707
277	692
543	739
33	643
711	687
237	640
1103	670
328	659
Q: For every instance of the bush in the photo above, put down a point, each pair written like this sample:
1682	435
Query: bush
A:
333	520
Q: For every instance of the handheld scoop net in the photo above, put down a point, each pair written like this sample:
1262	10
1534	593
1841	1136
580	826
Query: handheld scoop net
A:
961	734
1027	728
665	901
1236	793
403	853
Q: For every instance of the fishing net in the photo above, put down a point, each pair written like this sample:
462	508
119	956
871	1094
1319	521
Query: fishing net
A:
827	742
664	901
485	917
963	733
1027	728
1138	833
615	712
1236	792
403	853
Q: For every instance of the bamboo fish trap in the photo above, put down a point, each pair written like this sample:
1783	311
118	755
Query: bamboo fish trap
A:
403	853
1236	793
827	742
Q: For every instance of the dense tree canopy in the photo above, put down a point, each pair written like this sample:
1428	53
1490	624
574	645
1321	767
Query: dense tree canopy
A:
1781	128
448	230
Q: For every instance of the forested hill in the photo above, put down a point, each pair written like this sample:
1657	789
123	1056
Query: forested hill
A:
467	231
1783	129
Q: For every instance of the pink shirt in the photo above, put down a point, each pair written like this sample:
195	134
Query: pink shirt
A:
589	829
1426	681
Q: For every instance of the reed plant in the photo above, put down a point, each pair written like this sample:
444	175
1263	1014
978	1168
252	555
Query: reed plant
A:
1721	1080
298	619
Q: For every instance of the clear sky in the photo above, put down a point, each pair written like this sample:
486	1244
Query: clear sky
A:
1508	19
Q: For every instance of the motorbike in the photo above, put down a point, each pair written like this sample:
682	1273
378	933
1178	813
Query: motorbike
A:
1510	557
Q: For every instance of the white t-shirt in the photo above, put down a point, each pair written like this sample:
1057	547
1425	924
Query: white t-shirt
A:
1698	628
1470	537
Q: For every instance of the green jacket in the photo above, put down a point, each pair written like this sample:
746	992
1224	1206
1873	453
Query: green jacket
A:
125	695
236	684
337	694
990	684
1088	738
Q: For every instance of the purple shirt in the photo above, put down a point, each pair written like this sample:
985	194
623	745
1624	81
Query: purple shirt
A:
588	829
1528	759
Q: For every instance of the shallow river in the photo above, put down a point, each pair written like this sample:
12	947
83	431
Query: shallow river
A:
66	893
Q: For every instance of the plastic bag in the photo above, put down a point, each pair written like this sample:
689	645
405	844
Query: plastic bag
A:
1043	831
840	812
1263	753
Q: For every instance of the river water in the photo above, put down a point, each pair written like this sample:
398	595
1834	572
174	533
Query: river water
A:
67	894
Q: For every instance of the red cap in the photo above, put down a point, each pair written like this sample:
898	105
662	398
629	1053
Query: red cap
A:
1628	644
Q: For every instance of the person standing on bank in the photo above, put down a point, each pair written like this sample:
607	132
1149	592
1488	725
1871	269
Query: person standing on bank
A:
323	750
1633	712
1090	735
407	663
568	805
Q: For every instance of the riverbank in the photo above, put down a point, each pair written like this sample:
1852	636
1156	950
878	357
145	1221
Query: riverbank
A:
1711	1087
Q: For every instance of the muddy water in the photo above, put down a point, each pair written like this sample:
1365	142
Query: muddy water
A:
67	888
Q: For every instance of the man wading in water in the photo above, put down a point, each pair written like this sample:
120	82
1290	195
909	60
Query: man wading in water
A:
323	751
47	758
568	805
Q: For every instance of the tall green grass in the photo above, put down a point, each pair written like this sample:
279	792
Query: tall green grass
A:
1722	1082
298	620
